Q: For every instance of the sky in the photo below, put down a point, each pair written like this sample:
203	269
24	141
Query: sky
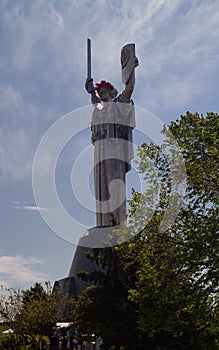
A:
43	71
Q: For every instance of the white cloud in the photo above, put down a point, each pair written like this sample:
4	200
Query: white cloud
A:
178	65
29	25
57	18
17	270
10	99
19	206
19	134
15	155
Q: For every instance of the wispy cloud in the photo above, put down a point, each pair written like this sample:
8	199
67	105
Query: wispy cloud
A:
15	155
19	134
17	270
10	99
20	206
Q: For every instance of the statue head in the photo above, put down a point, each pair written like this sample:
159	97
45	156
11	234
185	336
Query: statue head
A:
105	90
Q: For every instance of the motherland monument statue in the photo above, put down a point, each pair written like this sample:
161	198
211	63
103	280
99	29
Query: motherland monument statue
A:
112	123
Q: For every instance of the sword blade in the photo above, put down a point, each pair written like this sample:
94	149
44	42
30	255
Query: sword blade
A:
89	58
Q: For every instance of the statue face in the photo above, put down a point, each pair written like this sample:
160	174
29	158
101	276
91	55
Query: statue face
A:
105	94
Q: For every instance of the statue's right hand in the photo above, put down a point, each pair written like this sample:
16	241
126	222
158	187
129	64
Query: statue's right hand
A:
89	86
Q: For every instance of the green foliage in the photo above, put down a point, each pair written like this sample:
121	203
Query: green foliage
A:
171	308
178	275
104	308
197	136
34	311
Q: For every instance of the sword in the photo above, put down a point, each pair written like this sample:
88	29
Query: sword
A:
88	58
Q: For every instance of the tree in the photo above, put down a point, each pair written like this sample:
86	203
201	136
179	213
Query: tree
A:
198	138
164	282
34	311
178	275
104	308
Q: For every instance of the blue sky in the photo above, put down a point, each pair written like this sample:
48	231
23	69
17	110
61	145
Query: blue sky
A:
43	70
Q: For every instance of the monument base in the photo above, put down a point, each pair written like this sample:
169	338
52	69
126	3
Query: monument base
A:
98	237
72	286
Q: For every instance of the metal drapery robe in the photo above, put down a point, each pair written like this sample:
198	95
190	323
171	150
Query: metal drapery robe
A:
112	125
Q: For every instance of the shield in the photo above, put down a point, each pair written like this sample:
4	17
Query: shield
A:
128	61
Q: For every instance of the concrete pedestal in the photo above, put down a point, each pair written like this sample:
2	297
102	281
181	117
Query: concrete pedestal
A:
97	237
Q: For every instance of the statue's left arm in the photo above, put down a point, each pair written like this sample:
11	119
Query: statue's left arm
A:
130	84
129	87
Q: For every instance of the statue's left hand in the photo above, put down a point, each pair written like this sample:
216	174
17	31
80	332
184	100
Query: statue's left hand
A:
136	62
